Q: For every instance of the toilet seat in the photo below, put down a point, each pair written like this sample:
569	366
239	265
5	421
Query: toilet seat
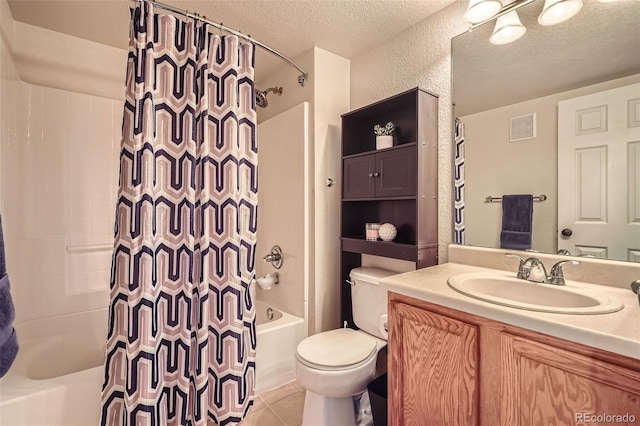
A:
335	350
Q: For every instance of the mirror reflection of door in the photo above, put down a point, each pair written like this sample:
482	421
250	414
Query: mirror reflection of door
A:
599	174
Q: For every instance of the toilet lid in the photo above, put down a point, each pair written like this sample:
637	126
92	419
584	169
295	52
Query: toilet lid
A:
337	348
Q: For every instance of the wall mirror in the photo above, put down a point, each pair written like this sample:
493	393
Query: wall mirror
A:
508	99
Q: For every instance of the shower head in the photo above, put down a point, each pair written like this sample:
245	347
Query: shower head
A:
261	97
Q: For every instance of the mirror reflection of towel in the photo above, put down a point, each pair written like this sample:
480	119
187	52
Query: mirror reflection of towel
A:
8	338
517	219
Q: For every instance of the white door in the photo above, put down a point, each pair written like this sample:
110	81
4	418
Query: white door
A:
599	174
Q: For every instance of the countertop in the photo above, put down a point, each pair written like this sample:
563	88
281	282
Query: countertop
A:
617	332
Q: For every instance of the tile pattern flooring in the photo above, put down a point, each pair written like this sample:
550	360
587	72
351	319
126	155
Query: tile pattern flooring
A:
279	407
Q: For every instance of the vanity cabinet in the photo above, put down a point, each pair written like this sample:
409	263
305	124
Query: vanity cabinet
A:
397	185
450	367
435	361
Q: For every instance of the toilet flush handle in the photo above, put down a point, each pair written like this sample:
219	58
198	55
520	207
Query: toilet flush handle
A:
351	283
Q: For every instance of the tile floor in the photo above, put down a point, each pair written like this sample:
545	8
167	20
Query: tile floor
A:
278	407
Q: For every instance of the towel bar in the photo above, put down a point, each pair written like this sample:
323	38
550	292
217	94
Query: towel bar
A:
90	247
490	199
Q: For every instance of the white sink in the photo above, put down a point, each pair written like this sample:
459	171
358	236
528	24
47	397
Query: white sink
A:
516	293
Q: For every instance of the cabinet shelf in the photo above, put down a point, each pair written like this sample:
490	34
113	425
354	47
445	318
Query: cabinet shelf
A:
381	199
373	151
380	248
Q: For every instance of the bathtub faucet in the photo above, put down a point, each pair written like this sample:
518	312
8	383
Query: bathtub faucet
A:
274	257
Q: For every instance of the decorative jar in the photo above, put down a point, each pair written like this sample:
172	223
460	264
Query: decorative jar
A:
387	232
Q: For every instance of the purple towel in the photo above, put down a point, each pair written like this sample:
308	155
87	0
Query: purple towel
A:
517	219
8	338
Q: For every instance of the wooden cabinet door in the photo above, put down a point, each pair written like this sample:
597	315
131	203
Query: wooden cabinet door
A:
395	173
545	385
432	369
358	178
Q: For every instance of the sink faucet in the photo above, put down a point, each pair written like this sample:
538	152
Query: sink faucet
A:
556	276
532	269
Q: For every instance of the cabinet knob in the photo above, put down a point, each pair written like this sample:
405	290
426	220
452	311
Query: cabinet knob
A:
370	174
376	174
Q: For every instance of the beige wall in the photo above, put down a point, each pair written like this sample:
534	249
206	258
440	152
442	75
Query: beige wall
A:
494	166
420	56
331	86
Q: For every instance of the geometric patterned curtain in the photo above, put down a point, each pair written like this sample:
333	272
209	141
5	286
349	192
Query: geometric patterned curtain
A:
458	170
181	339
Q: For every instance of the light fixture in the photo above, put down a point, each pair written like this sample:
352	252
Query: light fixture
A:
557	11
481	10
508	28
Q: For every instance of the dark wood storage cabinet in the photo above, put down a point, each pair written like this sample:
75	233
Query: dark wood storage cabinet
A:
388	173
397	185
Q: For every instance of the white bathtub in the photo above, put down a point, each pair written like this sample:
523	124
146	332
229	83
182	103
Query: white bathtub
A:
57	377
278	339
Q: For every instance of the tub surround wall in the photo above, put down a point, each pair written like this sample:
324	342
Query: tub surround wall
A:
58	167
8	75
327	91
282	206
59	185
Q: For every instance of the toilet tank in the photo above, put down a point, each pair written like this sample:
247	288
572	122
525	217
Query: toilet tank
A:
368	300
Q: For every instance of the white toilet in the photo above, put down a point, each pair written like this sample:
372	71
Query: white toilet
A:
336	365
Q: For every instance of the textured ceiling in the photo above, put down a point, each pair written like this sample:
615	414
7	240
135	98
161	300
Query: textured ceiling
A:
601	43
344	27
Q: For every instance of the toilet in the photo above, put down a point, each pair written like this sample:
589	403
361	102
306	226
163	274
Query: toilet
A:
334	366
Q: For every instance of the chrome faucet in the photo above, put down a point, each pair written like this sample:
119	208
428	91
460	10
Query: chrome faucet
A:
532	269
556	276
274	257
271	258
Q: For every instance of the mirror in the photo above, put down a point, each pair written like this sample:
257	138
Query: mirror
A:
507	98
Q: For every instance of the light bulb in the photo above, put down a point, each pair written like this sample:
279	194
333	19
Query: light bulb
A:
481	10
557	11
508	29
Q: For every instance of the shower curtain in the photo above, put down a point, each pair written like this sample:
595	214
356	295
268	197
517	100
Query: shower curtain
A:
181	337
458	217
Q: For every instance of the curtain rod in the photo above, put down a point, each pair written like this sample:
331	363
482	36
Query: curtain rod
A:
302	78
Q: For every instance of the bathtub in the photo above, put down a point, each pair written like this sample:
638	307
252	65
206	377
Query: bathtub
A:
278	336
57	377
